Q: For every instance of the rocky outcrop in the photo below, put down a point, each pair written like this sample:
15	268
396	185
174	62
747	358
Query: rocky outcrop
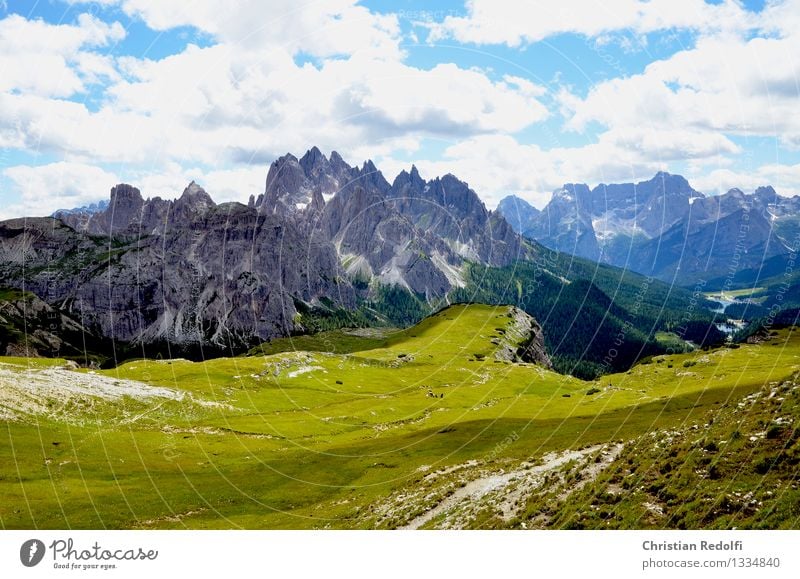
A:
523	341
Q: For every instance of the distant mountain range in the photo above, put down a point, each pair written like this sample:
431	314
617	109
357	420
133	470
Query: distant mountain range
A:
89	209
663	227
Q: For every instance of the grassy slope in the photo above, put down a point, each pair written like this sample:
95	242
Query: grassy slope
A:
733	467
312	439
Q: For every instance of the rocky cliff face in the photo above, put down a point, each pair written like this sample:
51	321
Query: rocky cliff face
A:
450	208
226	276
30	327
189	271
565	224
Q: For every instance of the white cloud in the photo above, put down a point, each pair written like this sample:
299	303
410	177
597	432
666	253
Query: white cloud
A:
670	144
70	130
240	102
513	23
221	105
493	165
496	166
784	178
234	184
725	85
43	189
499	165
223	184
51	59
321	28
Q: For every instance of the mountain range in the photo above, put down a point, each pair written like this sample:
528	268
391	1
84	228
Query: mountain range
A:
663	227
190	271
329	245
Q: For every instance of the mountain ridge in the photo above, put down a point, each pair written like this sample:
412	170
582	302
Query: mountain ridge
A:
322	235
662	227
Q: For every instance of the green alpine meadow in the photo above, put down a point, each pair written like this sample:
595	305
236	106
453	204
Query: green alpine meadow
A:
457	422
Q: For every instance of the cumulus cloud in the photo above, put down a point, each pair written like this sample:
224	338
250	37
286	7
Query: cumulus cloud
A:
38	58
514	23
320	28
221	104
726	84
499	165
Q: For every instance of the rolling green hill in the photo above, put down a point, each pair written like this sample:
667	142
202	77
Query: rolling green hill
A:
435	425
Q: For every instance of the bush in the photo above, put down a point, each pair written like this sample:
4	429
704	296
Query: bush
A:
774	431
591	391
764	465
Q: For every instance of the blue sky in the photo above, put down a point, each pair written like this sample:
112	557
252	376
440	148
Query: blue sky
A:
511	97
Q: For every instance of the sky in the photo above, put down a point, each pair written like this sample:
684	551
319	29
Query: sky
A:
511	97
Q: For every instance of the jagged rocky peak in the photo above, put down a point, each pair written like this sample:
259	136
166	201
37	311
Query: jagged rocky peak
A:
736	193
767	194
370	178
337	163
457	194
409	182
295	184
286	187
571	196
447	206
193	203
312	159
195	195
572	191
